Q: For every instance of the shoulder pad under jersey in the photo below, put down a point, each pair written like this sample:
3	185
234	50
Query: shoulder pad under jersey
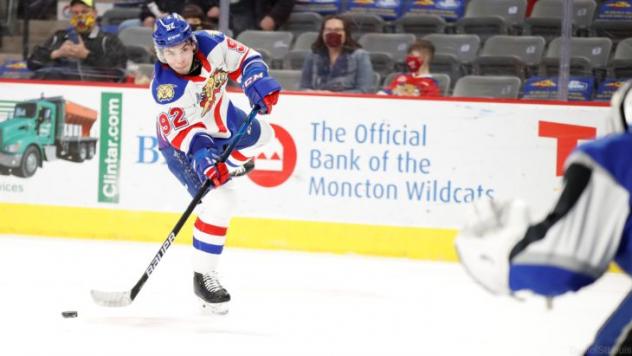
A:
167	86
207	40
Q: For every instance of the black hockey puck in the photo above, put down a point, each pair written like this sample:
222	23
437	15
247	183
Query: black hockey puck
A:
69	314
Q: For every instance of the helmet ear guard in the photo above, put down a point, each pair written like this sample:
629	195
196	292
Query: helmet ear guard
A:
621	106
170	31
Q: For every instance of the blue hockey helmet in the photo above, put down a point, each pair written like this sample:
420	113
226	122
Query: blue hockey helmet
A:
171	30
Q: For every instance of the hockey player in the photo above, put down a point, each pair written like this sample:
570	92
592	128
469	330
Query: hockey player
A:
195	122
589	227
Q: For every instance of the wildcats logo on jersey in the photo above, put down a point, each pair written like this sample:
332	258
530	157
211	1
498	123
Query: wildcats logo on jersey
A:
211	89
165	92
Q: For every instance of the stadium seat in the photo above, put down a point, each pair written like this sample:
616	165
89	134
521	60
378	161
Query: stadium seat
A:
487	18
137	36
360	23
138	54
453	53
300	22
510	55
421	25
305	40
613	20
115	15
377	81
474	86
289	79
621	64
395	44
589	56
294	59
275	44
464	48
546	18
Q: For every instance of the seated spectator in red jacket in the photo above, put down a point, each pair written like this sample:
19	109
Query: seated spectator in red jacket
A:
418	81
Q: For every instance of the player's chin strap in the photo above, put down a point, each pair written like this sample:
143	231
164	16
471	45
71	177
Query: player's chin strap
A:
121	299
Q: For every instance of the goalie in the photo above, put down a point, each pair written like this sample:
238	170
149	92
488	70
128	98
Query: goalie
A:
589	227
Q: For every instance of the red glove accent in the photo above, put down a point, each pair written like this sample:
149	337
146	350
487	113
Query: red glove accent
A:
218	174
270	100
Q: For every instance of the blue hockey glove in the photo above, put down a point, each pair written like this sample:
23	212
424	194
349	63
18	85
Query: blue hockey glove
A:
261	89
206	165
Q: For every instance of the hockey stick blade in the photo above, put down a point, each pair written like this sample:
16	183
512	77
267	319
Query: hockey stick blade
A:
111	299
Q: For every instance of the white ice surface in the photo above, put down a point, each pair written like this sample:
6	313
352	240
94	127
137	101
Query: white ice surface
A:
284	303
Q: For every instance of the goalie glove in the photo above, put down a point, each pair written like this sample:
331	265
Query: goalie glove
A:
484	244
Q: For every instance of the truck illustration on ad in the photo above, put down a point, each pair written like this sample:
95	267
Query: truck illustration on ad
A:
45	129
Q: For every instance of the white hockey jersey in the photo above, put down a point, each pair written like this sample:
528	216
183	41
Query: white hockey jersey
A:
198	103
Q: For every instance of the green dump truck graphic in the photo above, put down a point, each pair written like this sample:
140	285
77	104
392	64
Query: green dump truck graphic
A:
45	129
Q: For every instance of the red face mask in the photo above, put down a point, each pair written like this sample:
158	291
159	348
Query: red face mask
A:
413	63
333	39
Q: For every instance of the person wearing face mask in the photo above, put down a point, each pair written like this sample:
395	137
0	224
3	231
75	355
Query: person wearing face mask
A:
337	63
418	81
80	52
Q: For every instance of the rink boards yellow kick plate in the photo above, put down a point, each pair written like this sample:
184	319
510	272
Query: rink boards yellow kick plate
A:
126	225
91	223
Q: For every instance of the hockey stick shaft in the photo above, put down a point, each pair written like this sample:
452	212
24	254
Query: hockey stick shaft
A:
125	298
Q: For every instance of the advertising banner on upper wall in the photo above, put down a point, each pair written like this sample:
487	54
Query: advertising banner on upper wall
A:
363	160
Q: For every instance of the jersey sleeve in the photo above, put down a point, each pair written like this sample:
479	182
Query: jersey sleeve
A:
234	55
574	244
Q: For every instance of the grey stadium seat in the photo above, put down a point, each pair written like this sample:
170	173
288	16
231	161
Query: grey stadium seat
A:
546	18
621	64
394	43
116	15
360	23
474	86
275	44
510	55
616	30
300	22
587	54
492	17
386	49
137	36
453	53
305	40
289	79
421	25
294	59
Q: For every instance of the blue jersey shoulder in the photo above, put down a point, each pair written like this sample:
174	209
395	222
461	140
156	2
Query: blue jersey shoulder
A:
207	40
167	86
614	154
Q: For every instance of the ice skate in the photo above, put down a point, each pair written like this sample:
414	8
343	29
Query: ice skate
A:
214	298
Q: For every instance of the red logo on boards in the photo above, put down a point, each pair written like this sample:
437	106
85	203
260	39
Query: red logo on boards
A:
567	136
277	161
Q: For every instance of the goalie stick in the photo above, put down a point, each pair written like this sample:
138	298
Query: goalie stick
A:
121	299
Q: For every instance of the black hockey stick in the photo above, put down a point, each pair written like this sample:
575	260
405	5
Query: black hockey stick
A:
121	299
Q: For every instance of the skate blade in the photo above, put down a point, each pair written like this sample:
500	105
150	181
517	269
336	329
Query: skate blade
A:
214	308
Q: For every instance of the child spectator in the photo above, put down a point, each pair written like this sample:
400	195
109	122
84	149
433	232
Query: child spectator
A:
418	81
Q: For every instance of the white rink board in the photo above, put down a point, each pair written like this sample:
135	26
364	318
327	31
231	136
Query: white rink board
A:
490	149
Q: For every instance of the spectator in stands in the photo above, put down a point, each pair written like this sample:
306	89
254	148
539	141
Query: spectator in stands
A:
81	52
337	63
196	18
267	15
417	82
